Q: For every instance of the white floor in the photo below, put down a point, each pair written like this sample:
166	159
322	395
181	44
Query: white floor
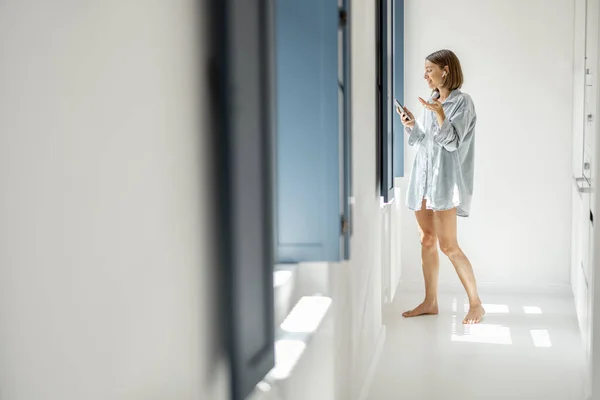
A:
527	348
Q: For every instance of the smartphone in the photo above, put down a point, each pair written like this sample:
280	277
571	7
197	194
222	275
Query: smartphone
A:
397	103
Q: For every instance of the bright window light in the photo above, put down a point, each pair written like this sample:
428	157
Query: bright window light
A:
482	333
307	314
541	338
532	310
263	386
280	278
287	354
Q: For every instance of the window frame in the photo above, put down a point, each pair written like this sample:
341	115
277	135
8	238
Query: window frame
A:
385	97
398	33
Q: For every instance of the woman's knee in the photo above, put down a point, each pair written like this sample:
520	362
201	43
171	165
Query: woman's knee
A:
428	240
450	249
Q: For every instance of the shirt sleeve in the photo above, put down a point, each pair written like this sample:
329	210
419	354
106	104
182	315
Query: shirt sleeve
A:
455	127
416	133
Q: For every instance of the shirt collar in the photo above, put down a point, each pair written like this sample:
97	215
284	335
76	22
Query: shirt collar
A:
453	96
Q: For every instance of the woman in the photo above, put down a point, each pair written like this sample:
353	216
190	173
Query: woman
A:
441	182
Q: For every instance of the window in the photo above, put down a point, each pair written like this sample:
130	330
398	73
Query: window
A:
385	101
313	131
280	84
398	34
390	86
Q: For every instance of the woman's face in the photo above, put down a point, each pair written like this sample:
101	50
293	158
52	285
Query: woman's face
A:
434	75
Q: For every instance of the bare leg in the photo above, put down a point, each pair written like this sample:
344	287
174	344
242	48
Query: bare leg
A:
445	224
430	263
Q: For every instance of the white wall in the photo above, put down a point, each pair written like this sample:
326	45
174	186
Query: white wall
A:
105	242
517	58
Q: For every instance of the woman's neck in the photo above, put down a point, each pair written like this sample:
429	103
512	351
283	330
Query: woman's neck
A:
444	93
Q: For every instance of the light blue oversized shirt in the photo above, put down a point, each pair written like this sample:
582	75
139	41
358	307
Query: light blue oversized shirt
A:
442	172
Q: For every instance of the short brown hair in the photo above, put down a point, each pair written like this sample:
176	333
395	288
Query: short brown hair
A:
443	58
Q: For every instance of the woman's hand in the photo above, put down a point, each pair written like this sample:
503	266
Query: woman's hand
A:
436	107
406	117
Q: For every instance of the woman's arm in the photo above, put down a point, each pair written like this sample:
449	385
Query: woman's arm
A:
416	134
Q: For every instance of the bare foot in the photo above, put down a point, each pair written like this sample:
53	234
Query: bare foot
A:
422	309
474	315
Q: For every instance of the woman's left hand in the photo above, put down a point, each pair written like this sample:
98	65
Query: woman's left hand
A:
436	106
